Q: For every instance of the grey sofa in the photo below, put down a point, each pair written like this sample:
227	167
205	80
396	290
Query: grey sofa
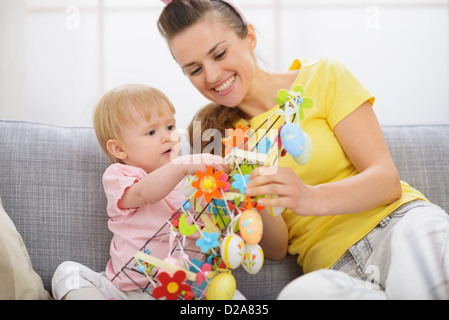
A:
50	184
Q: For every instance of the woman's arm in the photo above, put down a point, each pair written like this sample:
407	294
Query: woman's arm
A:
376	184
159	183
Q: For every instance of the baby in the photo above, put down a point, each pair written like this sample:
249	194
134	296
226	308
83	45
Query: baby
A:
136	128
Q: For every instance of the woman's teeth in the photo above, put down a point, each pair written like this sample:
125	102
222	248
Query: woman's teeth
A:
225	86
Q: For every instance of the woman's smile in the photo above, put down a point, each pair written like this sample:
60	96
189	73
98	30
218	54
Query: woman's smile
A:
226	87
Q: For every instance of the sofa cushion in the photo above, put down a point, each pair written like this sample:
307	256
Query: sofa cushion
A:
18	279
421	154
51	188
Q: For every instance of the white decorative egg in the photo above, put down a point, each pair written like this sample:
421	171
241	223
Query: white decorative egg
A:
253	259
232	249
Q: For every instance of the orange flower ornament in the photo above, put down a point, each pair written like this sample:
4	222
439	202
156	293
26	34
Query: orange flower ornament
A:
236	138
209	184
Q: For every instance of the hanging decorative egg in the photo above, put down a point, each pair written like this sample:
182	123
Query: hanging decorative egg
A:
253	259
292	138
221	287
251	227
304	158
232	249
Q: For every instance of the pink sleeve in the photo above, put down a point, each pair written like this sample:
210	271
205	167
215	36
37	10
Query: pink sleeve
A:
116	179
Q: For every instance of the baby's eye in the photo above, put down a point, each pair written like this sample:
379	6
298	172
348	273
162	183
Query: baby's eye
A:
171	127
151	133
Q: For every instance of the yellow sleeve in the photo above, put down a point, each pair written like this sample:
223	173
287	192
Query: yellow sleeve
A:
343	92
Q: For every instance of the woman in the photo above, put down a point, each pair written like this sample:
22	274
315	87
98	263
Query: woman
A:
350	218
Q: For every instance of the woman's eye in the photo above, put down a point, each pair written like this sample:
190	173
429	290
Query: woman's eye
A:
195	72
221	55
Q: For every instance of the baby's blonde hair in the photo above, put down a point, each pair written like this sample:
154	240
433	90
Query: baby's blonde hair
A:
114	109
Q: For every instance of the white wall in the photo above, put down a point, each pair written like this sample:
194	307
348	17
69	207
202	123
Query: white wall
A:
57	57
12	58
398	49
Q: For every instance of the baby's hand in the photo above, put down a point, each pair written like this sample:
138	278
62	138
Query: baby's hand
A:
200	162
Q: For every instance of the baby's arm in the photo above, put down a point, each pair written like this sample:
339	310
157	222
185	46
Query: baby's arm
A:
159	183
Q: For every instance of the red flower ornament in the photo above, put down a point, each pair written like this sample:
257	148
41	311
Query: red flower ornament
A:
172	287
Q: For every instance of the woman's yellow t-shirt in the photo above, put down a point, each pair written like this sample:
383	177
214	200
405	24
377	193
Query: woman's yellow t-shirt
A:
321	241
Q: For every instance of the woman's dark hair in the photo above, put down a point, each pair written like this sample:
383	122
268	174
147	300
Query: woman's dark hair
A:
178	15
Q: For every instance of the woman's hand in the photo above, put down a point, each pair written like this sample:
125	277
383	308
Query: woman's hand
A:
291	191
376	183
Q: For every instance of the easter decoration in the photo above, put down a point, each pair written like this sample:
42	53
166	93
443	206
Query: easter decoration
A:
224	223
